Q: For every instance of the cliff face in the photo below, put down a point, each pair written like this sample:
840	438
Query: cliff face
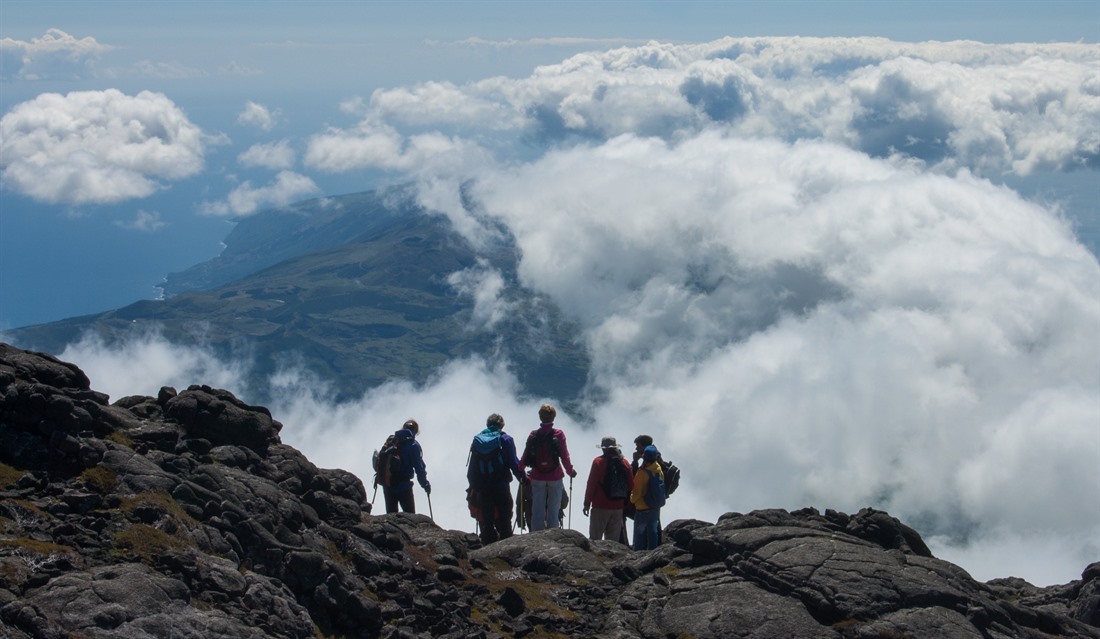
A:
184	516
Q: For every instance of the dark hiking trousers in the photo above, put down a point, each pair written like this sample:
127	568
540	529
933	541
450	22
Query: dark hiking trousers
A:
495	504
403	499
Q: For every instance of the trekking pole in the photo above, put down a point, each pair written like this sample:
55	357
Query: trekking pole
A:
430	513
519	510
570	503
374	495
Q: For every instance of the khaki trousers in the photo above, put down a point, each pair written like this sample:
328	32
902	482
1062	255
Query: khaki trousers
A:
605	523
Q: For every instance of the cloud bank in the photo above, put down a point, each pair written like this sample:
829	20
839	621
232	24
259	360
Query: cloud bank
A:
990	108
146	362
846	331
796	325
96	147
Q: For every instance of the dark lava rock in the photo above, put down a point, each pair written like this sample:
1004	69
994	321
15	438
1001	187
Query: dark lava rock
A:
185	516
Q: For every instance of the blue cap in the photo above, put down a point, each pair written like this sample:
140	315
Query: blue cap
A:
649	453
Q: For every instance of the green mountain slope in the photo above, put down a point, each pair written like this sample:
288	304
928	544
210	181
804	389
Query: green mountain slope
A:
360	297
264	240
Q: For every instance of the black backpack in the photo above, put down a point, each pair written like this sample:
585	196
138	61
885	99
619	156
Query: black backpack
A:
614	478
672	476
487	458
387	463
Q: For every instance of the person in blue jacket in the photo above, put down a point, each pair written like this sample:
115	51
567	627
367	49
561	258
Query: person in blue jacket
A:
400	492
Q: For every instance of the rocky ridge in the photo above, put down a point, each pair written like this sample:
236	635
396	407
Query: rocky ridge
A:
183	515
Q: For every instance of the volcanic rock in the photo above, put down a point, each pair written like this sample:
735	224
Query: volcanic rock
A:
184	515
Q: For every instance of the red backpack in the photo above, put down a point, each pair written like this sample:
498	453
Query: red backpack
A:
541	452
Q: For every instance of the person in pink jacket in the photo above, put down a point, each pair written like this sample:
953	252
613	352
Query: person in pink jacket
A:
544	454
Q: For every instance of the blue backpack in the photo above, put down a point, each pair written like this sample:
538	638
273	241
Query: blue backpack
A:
655	491
487	462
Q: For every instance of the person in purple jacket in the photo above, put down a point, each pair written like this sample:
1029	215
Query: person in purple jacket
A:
489	472
544	454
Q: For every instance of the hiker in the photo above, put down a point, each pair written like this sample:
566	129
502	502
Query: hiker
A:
671	473
524	510
610	483
399	459
648	496
544	454
492	465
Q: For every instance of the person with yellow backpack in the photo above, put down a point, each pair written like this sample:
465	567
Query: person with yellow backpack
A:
648	496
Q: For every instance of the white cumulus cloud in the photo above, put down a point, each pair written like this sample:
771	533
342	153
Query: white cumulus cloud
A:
273	155
145	221
55	56
246	199
485	285
146	361
97	146
257	115
989	108
383	147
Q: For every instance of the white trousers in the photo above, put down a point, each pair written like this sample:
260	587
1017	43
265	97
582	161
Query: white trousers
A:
545	504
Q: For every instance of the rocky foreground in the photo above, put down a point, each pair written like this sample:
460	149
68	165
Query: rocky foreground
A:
184	516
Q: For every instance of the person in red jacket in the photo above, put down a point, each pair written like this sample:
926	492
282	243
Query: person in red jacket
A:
610	483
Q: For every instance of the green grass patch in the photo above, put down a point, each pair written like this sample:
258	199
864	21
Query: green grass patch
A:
120	438
146	543
158	500
100	479
9	476
44	548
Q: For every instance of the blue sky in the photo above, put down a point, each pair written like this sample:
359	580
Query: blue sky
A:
837	253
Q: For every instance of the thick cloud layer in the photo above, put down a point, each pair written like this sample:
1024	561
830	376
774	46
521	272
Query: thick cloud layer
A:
796	325
992	108
97	146
845	331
